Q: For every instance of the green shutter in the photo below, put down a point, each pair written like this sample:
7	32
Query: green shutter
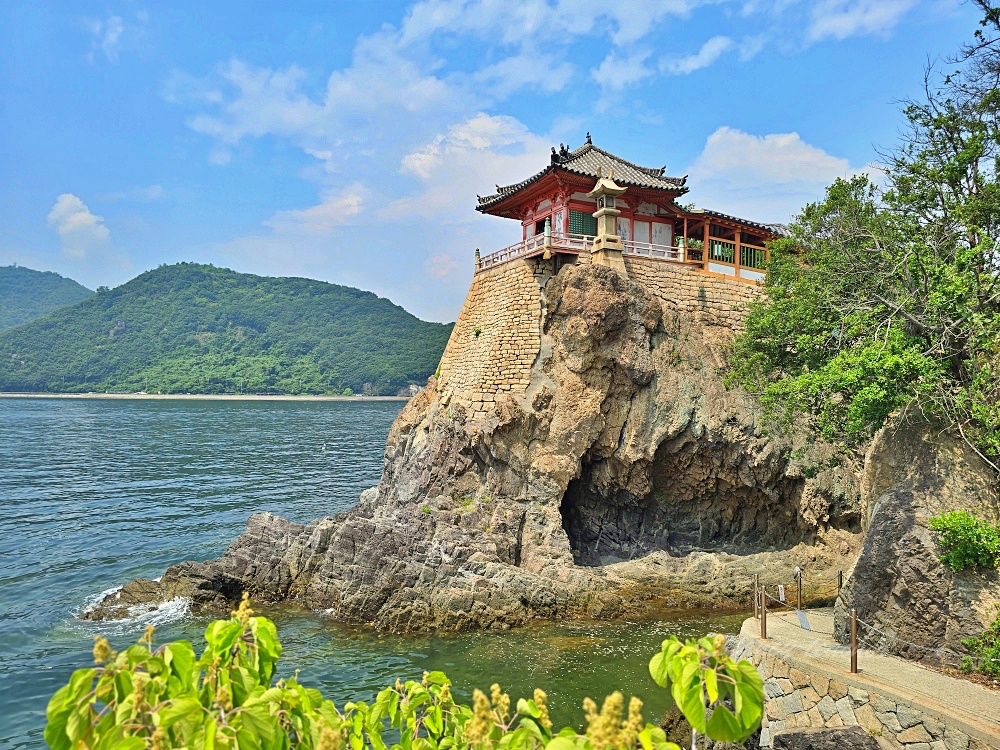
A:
581	222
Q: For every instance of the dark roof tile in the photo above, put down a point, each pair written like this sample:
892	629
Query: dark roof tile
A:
587	160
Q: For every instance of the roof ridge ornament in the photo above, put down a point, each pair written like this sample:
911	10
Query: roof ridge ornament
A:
590	142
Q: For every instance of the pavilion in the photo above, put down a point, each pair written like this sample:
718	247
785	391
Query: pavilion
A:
589	201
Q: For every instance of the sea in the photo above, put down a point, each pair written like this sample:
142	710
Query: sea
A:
95	492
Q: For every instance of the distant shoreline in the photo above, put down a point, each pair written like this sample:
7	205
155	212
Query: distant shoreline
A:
201	397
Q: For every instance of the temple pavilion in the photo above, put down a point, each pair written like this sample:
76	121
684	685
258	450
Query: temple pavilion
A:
590	201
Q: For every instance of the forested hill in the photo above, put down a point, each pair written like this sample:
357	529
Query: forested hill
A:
26	294
192	328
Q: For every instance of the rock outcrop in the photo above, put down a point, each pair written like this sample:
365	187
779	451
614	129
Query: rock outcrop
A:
919	608
624	476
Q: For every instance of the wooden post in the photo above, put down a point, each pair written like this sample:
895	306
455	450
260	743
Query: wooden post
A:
854	641
738	251
840	581
686	257
756	596
799	605
763	614
704	247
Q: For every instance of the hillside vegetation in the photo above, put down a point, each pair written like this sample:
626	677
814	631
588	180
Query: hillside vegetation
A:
192	328
26	294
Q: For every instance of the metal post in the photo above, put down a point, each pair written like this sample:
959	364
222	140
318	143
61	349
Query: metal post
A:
763	614
854	641
799	605
756	596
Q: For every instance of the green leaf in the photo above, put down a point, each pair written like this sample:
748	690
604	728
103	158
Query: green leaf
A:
723	726
562	743
711	686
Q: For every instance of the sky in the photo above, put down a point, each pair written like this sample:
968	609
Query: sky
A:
347	141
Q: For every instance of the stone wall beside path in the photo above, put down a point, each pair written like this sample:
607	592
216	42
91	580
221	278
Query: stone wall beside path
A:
807	683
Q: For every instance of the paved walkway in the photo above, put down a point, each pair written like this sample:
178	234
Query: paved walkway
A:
964	704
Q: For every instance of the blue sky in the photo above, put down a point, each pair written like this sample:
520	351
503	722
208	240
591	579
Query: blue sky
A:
347	141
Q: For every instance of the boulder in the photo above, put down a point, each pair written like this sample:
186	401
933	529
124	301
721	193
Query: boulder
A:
912	603
847	738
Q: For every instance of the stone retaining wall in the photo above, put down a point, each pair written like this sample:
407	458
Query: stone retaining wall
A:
691	290
803	697
498	333
496	338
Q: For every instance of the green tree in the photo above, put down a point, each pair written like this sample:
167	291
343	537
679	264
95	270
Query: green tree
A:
228	697
886	294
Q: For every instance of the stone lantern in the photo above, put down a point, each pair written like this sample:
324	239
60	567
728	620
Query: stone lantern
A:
607	249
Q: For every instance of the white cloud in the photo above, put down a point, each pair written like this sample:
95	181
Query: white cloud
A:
512	22
335	210
106	37
840	19
762	178
470	158
615	73
710	52
78	228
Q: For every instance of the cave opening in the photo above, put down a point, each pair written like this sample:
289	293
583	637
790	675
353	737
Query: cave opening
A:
703	495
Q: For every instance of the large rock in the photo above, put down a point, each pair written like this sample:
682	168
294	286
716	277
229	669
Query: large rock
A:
628	477
849	738
915	470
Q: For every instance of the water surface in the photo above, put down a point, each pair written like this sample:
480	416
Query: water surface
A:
97	492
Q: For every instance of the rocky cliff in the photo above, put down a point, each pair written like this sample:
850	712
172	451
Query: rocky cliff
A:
916	606
613	475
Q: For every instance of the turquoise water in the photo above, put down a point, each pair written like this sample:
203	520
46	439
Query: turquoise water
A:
97	492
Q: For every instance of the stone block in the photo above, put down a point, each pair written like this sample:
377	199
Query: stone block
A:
884	705
846	710
785	685
815	717
916	733
809	697
857	695
908	717
821	685
955	739
827	707
792	703
837	690
799	678
835	721
867	718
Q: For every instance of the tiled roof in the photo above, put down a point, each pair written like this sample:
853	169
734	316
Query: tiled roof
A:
586	161
779	229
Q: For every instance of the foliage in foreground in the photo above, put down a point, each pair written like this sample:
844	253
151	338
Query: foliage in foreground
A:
887	294
165	697
984	650
191	328
967	541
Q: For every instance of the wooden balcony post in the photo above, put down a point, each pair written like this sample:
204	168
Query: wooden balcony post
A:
685	243
737	259
704	250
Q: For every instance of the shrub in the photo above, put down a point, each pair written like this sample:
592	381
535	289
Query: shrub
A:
967	542
984	650
165	697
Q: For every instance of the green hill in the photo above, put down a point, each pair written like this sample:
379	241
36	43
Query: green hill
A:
26	294
192	328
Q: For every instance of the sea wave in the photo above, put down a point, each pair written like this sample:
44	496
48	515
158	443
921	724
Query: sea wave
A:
139	615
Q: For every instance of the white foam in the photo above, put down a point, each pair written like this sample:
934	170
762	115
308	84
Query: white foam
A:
139	615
